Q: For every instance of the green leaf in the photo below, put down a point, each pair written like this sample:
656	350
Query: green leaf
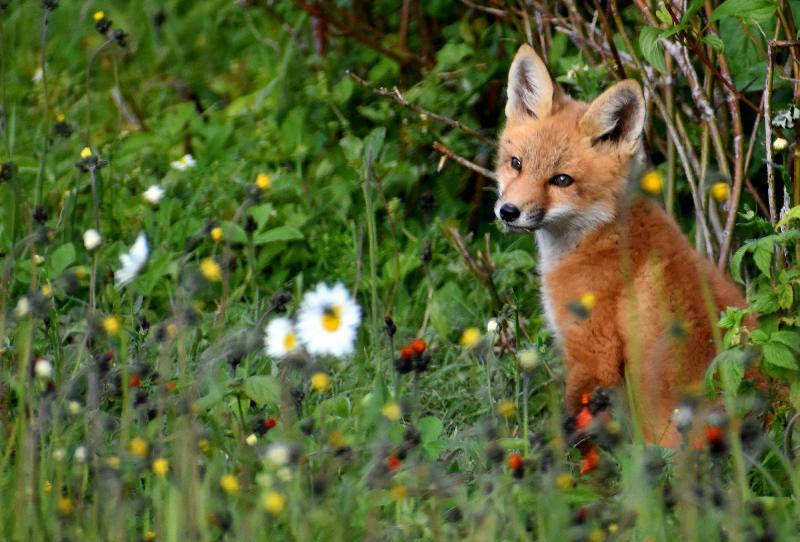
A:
736	263
763	257
758	336
779	355
61	258
430	428
715	42
750	10
279	234
791	214
788	338
261	213
794	395
785	295
233	232
262	389
651	48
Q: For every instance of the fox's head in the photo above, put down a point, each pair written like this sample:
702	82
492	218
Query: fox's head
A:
563	165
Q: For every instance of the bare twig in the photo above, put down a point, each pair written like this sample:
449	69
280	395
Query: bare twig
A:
464	162
397	96
768	136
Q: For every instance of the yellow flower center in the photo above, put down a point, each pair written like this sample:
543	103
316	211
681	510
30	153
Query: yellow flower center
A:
720	191
471	337
99	16
86	152
211	270
332	318
289	341
263	181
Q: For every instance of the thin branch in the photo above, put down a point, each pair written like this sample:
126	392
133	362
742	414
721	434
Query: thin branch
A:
464	162
397	96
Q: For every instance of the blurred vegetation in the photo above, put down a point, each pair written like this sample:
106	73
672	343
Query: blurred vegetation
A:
166	427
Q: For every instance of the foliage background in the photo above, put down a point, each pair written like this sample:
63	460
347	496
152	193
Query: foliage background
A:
359	195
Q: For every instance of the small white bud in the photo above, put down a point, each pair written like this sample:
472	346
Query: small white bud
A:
528	360
779	144
43	369
80	454
74	407
23	307
91	239
252	439
59	454
492	326
153	194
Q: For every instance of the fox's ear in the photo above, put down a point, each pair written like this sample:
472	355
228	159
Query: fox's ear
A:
617	115
530	88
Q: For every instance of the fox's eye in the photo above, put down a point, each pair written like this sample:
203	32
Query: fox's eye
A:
561	180
516	163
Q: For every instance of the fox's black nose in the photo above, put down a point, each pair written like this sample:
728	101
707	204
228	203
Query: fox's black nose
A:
509	212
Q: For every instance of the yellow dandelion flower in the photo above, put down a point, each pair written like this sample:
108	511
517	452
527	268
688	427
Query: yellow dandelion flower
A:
113	462
86	152
48	486
470	338
216	234
211	270
251	440
588	301
652	182
597	535
263	181
60	117
506	408
65	506
720	191
273	502
392	411
613	528
336	439
139	447
99	16
111	325
564	481
149	536
204	445
399	492
320	382
229	484
161	467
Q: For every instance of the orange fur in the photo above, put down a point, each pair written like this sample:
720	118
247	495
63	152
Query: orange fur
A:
657	300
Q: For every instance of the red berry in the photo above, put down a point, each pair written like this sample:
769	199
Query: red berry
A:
269	423
514	461
406	352
418	345
134	381
393	462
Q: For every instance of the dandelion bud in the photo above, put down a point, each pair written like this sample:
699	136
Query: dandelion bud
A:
779	145
161	467
391	328
80	454
528	360
492	326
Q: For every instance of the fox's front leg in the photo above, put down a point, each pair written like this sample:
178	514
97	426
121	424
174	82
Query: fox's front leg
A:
591	361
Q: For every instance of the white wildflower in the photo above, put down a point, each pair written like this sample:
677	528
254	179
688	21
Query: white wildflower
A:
91	239
132	261
153	194
328	321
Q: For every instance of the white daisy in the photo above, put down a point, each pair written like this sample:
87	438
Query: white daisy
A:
328	321
184	163
280	338
132	261
153	194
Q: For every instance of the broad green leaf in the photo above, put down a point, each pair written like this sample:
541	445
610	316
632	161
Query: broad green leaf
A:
763	258
430	428
750	10
736	263
651	48
715	42
788	338
61	258
779	355
233	232
262	389
794	395
261	213
785	295
279	234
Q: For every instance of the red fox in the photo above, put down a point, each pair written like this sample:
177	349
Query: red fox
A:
565	170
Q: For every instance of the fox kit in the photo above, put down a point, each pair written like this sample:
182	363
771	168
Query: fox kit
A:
564	170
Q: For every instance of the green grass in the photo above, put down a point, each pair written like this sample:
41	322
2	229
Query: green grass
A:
355	196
